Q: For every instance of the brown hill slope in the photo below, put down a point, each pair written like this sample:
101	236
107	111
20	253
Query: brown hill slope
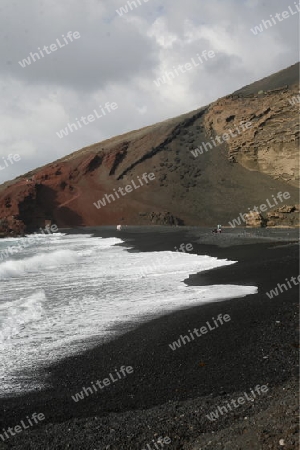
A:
246	168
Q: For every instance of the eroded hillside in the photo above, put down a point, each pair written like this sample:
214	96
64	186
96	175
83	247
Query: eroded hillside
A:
213	187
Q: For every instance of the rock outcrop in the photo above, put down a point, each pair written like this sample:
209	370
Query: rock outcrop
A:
255	220
268	145
162	218
286	216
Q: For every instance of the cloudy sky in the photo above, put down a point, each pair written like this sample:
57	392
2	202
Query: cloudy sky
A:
116	58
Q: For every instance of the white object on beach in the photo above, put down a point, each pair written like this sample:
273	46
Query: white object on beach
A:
119	227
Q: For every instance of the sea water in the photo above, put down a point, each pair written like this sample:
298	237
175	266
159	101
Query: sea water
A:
68	293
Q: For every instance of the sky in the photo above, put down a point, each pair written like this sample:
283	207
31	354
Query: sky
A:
97	56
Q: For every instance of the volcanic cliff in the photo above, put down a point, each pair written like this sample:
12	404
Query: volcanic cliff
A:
214	187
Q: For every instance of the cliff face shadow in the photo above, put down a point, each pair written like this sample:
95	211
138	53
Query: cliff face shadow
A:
47	207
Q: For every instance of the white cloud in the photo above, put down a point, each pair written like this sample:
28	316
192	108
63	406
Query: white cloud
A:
116	60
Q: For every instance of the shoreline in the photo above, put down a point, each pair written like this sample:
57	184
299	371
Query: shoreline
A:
247	231
217	365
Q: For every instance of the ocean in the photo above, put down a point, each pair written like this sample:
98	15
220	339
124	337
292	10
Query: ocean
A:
69	292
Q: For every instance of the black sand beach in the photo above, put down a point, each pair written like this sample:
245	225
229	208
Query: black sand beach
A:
170	392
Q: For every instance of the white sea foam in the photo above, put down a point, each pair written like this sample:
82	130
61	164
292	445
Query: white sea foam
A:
61	301
38	263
